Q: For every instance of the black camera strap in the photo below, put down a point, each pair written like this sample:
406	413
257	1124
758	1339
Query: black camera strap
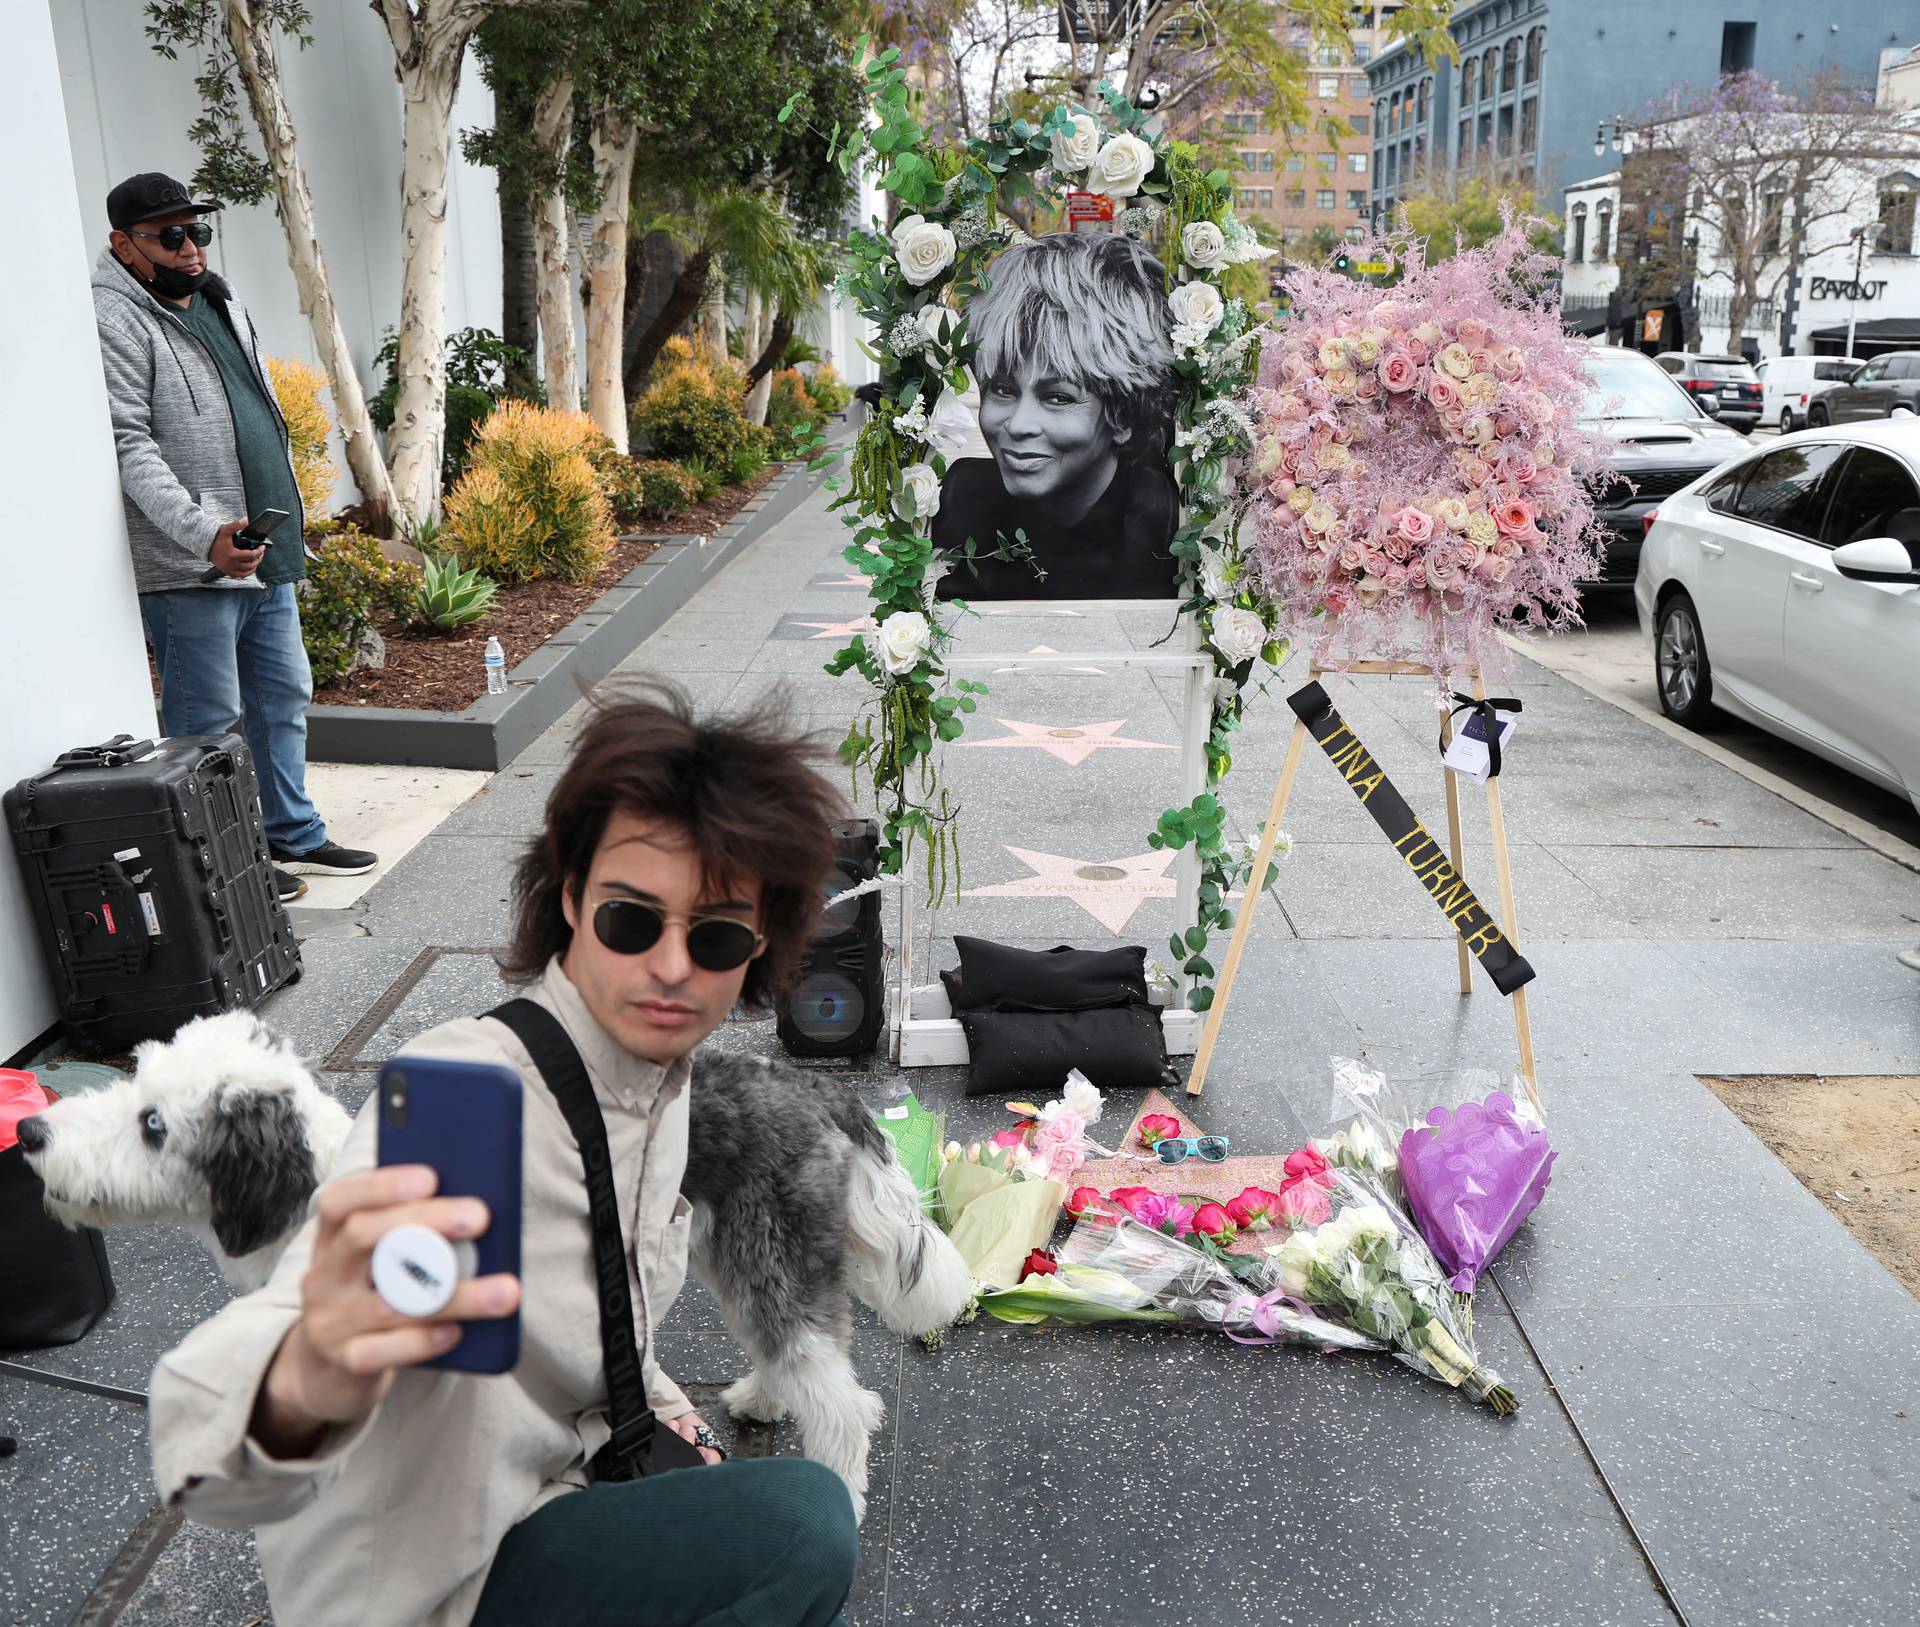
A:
629	1453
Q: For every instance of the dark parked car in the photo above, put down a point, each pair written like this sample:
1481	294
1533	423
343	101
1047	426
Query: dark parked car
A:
1662	441
1725	386
1878	390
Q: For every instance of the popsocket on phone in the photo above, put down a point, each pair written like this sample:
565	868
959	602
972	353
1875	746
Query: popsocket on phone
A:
415	1269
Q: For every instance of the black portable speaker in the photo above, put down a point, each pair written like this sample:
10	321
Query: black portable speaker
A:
837	1007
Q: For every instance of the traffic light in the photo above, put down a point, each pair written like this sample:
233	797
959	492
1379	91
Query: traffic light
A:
1343	262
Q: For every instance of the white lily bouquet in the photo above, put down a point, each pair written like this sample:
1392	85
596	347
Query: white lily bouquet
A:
1356	1256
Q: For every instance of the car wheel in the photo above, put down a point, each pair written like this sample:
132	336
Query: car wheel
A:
1818	417
1681	671
1786	421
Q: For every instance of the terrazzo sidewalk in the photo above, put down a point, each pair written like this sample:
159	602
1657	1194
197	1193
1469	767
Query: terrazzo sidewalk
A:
1720	1389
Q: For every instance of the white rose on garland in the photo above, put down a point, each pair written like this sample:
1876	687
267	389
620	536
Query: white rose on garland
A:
1213	575
1197	306
1203	245
1120	167
924	249
1076	145
902	641
919	495
1237	634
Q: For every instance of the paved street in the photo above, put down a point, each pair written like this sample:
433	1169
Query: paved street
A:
1720	1389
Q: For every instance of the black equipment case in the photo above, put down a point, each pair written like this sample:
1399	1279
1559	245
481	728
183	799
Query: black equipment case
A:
147	867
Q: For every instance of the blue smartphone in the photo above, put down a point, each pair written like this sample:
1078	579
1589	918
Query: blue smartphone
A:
462	1119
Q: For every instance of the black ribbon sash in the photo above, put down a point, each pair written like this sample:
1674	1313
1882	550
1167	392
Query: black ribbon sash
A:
1484	707
1425	857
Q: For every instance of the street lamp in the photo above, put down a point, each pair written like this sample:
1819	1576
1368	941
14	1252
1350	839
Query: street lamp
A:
1853	295
1614	133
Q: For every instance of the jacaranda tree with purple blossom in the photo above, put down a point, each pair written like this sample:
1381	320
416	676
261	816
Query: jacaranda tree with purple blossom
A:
1737	185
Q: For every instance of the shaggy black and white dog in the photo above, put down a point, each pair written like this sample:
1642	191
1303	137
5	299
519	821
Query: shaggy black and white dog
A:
220	1128
797	1199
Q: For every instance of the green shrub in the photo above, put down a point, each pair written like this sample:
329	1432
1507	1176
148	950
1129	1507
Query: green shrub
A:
531	504
703	474
482	370
350	586
449	597
666	488
830	392
791	408
684	415
748	461
798	352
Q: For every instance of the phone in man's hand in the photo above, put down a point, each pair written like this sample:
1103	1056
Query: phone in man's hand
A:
257	533
462	1120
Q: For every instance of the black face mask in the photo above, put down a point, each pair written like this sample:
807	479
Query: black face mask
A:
170	282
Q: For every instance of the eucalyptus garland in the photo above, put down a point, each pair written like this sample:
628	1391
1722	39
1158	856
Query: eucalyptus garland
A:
913	284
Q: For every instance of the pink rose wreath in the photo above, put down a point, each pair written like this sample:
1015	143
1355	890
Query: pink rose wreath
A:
1419	476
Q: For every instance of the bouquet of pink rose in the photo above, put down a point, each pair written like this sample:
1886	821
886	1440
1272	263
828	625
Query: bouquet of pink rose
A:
1419	472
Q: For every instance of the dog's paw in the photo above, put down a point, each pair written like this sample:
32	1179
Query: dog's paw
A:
749	1398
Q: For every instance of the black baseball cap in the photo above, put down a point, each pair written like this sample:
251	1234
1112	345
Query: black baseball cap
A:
147	197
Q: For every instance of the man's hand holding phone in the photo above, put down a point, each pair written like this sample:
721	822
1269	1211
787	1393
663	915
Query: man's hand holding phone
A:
339	1361
229	557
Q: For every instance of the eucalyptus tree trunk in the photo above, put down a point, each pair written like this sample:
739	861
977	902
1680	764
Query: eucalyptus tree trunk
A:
616	142
559	350
253	54
757	322
429	40
713	308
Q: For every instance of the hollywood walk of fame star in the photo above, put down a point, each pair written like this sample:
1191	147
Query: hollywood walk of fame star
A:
1110	890
839	629
1047	666
1074	744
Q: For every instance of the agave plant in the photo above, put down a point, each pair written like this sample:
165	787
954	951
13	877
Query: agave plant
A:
450	597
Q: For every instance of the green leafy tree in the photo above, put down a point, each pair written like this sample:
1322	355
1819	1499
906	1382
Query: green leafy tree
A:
1467	210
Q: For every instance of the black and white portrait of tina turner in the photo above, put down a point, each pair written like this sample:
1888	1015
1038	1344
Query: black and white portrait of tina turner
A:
1074	362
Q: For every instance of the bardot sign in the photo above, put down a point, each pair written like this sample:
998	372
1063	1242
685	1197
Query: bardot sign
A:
1845	288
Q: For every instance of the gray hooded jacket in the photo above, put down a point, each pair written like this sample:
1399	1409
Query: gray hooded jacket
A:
180	475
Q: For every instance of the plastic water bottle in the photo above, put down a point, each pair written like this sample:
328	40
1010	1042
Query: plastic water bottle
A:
496	659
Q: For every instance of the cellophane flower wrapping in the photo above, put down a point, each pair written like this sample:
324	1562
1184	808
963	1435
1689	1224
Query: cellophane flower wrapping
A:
1112	1268
1420	476
1472	1176
1468	1156
1367	1265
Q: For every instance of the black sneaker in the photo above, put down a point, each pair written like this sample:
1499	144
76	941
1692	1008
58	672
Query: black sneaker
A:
328	859
288	887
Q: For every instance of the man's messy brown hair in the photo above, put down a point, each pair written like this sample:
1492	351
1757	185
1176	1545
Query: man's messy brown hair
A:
743	789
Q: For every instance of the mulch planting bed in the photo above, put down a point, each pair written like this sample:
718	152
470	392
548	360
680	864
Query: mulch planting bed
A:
444	672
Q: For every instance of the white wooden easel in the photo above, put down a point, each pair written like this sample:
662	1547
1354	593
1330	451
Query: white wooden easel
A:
1283	789
924	1032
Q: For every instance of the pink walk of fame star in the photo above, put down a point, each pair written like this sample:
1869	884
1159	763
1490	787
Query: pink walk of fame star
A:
1073	743
1109	890
839	629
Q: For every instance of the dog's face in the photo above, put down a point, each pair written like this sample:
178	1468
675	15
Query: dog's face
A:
211	1129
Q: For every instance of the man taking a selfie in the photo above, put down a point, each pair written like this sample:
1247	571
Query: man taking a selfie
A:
679	872
203	449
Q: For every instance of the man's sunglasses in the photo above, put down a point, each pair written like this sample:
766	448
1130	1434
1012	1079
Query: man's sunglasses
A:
1174	1149
171	237
715	943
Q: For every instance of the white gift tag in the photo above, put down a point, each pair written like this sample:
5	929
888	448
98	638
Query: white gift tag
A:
1467	754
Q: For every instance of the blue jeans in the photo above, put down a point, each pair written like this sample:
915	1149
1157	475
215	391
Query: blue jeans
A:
231	659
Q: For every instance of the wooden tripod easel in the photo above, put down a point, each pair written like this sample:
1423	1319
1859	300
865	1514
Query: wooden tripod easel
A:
1243	924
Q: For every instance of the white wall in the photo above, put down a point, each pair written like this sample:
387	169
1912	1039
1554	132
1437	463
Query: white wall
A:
127	110
75	668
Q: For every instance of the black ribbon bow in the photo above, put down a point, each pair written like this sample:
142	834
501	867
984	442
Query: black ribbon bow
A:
1484	708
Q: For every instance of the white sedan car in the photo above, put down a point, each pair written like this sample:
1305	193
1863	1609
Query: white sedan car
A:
1784	587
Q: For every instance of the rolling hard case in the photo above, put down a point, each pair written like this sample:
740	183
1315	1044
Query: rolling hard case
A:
147	867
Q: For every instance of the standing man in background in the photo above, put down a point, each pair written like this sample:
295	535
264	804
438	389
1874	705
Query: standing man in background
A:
202	445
